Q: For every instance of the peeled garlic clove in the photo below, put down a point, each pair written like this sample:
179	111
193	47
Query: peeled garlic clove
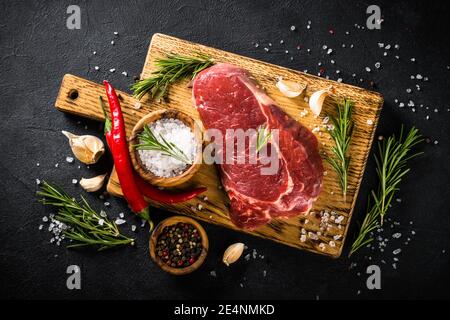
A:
233	253
289	88
316	100
88	149
93	184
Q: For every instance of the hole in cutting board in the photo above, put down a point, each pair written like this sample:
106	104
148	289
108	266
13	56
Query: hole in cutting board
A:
73	94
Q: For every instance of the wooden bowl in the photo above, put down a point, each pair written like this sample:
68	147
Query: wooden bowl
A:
135	158
154	238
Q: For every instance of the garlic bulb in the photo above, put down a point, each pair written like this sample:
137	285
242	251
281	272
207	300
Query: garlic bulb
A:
289	88
93	184
316	100
88	149
233	253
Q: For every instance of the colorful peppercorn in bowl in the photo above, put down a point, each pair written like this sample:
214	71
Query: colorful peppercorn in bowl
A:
179	245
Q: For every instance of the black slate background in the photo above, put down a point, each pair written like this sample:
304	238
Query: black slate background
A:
36	50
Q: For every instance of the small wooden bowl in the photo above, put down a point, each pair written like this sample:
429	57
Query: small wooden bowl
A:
135	158
154	238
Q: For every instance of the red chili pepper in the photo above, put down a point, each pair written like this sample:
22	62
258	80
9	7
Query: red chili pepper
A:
116	138
165	197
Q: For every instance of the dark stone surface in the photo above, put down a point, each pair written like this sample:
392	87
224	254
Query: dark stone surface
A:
36	50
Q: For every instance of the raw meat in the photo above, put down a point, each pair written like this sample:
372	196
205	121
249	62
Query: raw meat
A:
227	98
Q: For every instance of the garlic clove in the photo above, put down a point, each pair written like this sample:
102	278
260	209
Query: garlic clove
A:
86	148
93	184
233	253
289	88
316	100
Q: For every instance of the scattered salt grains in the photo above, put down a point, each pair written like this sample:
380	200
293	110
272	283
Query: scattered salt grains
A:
332	244
116	33
38	181
74	181
247	257
176	132
200	207
143	223
103	214
133	228
377	65
396	235
97	68
292	28
119	221
121	215
106	204
303	238
397	251
44	219
125	73
112	70
368	69
213	273
369	122
56	165
322	246
41	227
264	273
101	222
337	237
94	53
112	42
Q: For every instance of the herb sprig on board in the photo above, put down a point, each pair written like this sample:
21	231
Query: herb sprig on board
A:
341	135
391	161
150	142
85	227
169	70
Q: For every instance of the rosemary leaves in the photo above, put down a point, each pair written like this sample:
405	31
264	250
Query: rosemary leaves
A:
169	70
341	135
391	161
262	137
85	227
149	141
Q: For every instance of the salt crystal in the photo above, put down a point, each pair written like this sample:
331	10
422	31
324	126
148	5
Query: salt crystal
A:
94	53
377	65
38	182
103	214
112	42
292	28
125	73
264	273
419	76
116	33
322	246
387	47
408	90
69	159
101	222
332	244
56	165
413	59
396	235
119	221
40	227
397	251
337	237
74	181
302	238
45	219
329	51
121	215
368	69
380	45
200	207
112	70
213	273
107	204
97	68
370	122
133	228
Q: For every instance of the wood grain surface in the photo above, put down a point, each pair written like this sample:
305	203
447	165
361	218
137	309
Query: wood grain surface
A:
214	208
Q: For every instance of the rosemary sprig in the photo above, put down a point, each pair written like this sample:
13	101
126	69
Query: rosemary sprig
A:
85	226
262	137
148	141
341	135
169	70
393	155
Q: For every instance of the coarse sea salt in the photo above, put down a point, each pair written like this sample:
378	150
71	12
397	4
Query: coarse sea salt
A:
176	132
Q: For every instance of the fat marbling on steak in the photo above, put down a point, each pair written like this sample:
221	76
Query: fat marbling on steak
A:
227	98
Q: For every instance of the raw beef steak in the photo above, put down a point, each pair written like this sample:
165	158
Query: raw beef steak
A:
227	98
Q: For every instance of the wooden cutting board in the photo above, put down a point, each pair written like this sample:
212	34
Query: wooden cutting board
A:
214	208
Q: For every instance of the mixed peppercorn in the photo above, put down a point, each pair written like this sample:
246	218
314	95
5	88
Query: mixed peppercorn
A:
179	245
